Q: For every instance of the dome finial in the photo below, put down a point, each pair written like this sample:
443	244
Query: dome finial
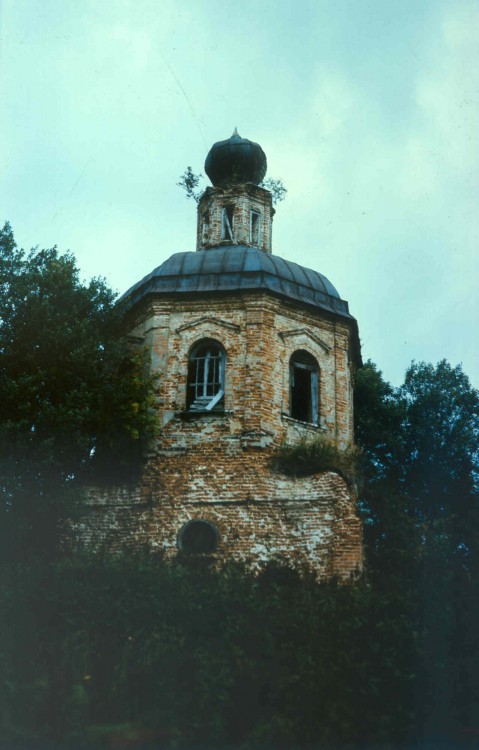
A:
235	132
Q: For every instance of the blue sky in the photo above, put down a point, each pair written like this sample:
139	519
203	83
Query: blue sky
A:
368	110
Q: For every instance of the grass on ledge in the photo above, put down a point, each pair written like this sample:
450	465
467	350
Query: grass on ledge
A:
312	456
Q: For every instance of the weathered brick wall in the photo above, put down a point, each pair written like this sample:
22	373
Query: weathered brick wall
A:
259	334
260	515
243	198
217	467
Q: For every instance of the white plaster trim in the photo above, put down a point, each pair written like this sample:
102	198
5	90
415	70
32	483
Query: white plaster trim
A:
214	321
304	332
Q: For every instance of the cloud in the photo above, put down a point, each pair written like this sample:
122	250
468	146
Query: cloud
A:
371	119
333	102
448	92
393	207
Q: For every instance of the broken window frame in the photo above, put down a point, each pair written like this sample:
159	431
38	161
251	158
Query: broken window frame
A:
206	376
227	222
303	362
254	226
206	226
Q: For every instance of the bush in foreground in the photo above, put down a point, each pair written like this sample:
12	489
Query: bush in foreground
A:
191	658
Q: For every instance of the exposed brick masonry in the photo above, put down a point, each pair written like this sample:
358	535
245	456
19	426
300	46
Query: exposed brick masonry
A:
217	466
244	199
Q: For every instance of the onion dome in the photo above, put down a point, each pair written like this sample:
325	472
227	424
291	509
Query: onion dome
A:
234	161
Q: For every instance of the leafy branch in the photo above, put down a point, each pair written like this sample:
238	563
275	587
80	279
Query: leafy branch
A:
276	188
189	182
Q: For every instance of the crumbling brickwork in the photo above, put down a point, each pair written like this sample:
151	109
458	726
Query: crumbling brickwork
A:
218	467
259	334
243	200
250	355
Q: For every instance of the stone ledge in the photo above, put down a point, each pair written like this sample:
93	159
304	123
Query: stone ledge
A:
305	425
187	415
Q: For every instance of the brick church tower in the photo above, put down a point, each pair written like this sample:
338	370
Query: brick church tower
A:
252	352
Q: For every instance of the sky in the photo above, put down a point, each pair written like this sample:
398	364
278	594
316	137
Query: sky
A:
368	111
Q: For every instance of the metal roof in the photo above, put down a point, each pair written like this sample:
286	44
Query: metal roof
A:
231	268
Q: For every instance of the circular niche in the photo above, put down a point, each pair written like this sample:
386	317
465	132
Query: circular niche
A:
198	537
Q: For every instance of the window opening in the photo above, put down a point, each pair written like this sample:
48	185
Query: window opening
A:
227	223
254	222
198	538
304	387
206	225
206	373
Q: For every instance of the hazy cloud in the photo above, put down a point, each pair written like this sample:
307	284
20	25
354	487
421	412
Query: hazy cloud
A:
368	111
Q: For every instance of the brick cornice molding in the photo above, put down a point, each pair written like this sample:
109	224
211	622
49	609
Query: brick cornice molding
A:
212	321
304	332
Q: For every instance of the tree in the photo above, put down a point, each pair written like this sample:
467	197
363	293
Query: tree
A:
439	473
424	438
378	414
421	509
189	182
390	533
441	438
75	402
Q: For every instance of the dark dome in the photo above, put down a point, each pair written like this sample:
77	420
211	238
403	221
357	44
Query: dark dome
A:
235	160
236	268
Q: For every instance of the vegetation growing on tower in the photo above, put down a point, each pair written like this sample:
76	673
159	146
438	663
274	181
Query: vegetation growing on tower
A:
189	182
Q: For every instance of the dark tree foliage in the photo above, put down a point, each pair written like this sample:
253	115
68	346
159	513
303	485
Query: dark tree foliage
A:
441	438
132	652
378	416
421	510
421	442
184	657
439	469
73	398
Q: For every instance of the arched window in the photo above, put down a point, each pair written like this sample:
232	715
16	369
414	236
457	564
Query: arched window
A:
198	537
304	387
206	377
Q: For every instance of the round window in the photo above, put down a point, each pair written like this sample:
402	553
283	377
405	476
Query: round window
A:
198	538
